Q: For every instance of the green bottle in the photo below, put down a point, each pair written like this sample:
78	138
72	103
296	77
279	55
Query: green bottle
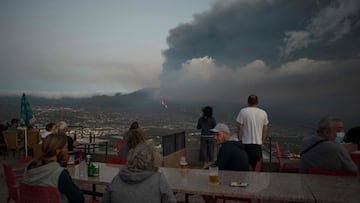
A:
90	166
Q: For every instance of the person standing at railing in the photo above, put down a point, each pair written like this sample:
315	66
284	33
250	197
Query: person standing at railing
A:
207	143
252	129
321	151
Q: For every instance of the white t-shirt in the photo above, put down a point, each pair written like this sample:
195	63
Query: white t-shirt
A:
253	119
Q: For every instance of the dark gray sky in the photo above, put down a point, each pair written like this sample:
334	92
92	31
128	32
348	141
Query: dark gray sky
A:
302	55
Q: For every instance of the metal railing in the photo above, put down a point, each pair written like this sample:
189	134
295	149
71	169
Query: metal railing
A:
173	143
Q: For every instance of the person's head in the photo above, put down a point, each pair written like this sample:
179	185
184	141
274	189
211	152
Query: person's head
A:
134	125
252	100
50	127
15	122
62	127
54	147
327	128
135	137
207	111
353	135
222	133
340	130
143	157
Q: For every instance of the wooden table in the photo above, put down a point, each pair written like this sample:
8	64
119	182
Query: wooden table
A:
334	189
87	144
264	186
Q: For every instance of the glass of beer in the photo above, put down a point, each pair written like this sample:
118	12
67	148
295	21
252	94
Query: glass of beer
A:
71	162
183	163
213	175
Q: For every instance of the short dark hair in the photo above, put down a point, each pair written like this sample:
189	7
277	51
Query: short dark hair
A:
252	99
207	111
353	135
14	120
134	125
49	126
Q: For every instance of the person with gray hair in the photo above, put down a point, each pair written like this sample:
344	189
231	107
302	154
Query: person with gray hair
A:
140	180
321	151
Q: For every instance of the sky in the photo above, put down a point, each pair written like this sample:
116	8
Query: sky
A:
301	54
76	48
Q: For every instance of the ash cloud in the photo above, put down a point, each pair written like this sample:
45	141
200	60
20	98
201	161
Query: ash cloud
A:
298	56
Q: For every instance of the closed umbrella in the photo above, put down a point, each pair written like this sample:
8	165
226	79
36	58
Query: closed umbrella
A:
26	112
26	117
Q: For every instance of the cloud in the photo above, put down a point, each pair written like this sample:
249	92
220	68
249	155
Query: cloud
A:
304	83
330	24
235	33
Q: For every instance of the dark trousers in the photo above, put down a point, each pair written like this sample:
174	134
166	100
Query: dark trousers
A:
254	153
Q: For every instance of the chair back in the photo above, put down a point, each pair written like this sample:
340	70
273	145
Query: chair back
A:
115	160
258	166
338	172
32	138
356	159
279	156
38	194
12	186
11	139
119	144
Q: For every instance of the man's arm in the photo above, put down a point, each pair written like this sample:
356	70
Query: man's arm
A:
264	133
240	131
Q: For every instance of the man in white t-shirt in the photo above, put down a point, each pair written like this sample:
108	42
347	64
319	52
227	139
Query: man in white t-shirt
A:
252	129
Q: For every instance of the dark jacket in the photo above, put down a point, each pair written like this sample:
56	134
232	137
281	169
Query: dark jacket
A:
205	124
232	157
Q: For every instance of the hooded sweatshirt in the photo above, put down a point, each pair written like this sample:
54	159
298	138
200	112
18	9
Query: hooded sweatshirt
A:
52	174
232	157
133	186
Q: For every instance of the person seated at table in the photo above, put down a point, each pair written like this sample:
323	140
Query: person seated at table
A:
232	155
352	139
140	180
45	170
62	127
134	126
49	129
321	151
15	123
135	137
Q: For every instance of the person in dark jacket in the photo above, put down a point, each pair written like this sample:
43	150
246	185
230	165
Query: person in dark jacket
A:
207	144
232	155
45	170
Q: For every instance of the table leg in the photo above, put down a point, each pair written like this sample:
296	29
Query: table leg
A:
94	191
106	148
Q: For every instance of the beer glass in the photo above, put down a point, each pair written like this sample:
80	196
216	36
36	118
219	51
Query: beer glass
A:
183	163
71	162
214	175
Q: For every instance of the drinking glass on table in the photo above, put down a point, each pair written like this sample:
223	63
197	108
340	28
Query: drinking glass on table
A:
213	175
71	162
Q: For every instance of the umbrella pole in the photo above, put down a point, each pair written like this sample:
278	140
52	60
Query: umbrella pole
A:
26	148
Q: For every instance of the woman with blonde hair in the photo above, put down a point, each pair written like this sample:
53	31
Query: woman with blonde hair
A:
45	169
140	180
134	137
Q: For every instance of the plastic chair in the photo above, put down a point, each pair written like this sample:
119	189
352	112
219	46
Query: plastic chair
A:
356	160
284	167
119	144
115	160
337	172
38	194
11	181
11	141
32	139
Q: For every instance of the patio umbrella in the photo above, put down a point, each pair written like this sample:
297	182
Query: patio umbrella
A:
26	112
26	117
